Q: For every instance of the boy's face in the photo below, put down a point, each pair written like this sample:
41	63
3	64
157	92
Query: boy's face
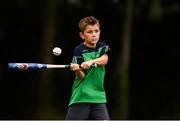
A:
91	35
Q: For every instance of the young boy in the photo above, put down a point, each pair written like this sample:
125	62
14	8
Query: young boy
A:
88	99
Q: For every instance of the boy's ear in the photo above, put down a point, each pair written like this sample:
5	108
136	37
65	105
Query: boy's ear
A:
81	35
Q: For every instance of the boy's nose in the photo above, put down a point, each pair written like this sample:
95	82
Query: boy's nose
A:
94	34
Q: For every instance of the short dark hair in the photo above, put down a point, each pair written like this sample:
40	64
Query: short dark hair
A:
90	20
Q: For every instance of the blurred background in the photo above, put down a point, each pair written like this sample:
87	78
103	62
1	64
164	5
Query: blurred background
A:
142	76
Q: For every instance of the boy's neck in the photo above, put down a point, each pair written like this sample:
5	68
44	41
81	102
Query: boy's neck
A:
89	45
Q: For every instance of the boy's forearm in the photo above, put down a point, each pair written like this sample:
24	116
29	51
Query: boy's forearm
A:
80	74
101	60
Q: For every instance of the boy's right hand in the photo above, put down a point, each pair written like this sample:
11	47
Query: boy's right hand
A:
74	67
87	64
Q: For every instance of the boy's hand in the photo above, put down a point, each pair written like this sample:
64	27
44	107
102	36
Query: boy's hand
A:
74	67
87	64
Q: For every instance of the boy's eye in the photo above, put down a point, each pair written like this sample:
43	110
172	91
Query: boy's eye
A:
90	31
96	31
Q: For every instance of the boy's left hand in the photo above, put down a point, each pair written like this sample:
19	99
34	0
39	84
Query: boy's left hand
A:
87	64
74	67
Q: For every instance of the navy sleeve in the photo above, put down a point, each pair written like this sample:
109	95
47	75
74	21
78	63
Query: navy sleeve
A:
77	56
104	48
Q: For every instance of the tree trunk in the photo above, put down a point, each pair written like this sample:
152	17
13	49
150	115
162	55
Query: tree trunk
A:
123	65
46	110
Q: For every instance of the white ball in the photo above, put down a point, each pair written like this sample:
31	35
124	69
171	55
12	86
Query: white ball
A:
57	51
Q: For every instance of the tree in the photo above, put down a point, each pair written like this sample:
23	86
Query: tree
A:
123	65
46	109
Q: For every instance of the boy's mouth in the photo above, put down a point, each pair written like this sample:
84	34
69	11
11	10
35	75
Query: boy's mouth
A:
94	39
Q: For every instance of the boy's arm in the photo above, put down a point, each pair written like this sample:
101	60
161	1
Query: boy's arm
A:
80	74
85	65
99	61
78	71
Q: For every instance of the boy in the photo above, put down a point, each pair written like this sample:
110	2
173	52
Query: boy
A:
88	99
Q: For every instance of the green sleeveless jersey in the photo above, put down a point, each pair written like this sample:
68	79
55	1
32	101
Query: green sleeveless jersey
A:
91	88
